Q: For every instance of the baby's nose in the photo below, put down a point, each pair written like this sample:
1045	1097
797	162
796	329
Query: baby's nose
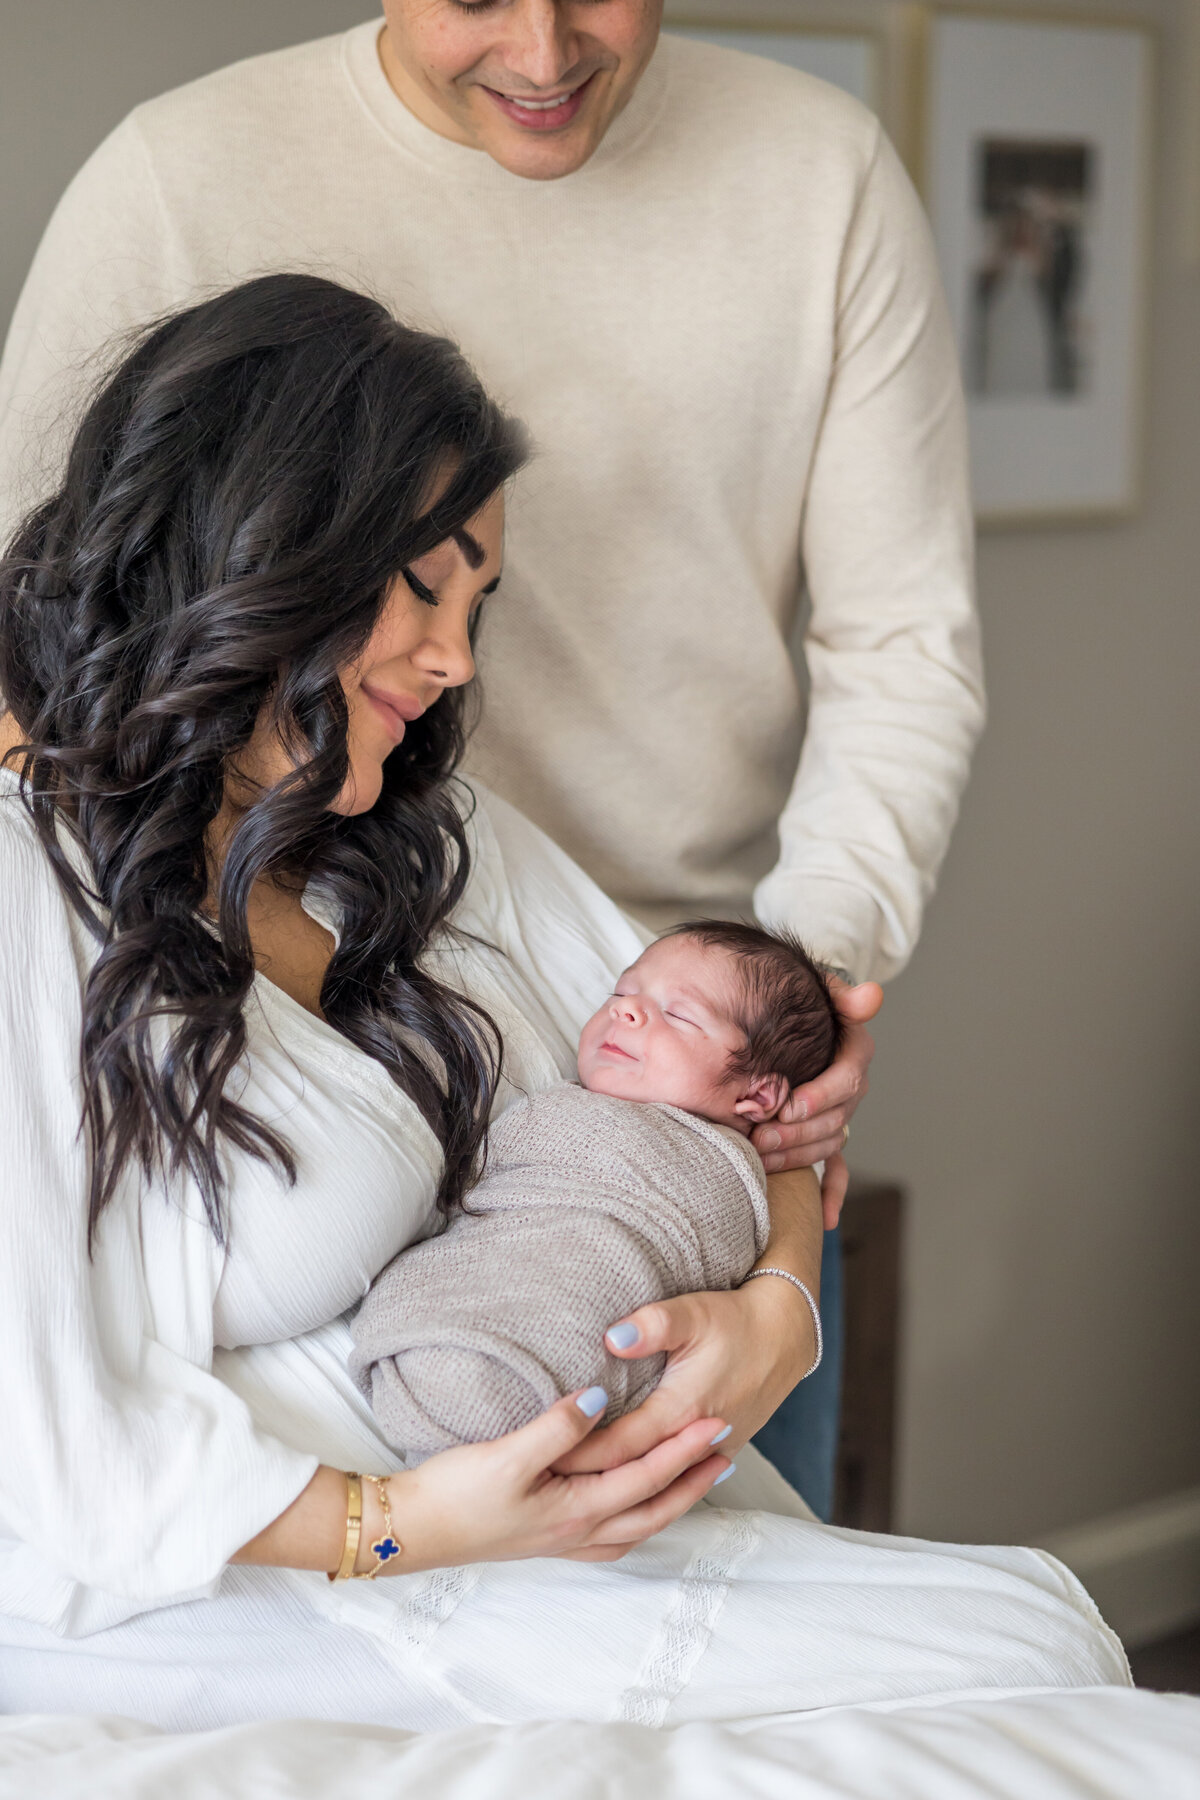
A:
627	1009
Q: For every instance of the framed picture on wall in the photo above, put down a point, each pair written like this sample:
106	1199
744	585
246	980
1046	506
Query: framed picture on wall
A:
849	59
1037	173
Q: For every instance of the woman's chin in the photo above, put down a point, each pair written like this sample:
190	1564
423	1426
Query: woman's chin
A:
363	788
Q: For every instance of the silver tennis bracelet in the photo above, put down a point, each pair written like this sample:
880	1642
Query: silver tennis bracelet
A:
813	1308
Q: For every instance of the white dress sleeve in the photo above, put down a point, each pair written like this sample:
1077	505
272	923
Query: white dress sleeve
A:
126	1466
892	646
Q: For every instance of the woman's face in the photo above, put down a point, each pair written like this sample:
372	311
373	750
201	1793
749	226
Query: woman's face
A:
419	648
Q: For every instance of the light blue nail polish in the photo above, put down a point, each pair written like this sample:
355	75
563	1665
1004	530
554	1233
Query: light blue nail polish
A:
622	1336
592	1402
721	1436
725	1474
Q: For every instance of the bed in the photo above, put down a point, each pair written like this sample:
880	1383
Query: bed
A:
1083	1744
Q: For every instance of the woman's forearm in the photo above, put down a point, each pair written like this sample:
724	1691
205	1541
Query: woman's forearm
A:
311	1533
794	1244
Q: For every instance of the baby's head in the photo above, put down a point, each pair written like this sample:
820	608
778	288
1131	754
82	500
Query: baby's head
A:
718	1019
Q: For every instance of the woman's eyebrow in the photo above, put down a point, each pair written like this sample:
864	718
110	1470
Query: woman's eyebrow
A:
471	548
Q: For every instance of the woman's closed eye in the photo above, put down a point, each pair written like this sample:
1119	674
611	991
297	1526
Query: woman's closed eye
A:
419	589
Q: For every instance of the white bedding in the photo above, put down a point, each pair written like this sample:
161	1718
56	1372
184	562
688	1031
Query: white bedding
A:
1088	1744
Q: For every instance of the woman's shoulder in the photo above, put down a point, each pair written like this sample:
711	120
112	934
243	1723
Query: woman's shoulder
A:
515	865
37	925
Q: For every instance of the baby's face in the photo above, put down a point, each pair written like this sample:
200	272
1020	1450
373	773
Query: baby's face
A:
667	1032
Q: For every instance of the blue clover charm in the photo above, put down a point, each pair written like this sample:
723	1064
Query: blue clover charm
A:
386	1548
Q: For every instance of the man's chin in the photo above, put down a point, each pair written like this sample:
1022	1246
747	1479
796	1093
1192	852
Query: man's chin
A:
535	155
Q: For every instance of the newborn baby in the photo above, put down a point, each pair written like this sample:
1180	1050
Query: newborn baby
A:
636	1185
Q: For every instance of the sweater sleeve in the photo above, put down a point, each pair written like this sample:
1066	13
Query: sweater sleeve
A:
127	1466
892	647
108	263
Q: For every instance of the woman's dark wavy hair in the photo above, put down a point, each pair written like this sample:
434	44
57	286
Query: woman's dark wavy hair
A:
238	499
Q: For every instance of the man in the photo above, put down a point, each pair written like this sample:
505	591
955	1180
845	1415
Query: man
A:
706	284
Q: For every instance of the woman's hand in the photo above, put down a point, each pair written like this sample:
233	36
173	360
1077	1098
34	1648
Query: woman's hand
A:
498	1501
734	1356
731	1356
812	1124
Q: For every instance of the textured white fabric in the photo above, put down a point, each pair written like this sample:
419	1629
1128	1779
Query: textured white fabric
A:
107	1361
1097	1744
725	1616
727	335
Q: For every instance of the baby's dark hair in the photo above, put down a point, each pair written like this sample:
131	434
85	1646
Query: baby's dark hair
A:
791	1024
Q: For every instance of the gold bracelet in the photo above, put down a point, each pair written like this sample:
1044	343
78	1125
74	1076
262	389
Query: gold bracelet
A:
345	1568
388	1545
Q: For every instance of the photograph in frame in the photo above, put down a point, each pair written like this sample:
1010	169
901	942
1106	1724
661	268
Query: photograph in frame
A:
1037	178
851	60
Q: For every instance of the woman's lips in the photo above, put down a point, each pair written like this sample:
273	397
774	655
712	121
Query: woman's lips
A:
538	115
396	710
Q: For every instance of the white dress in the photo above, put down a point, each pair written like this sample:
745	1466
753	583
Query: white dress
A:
162	1402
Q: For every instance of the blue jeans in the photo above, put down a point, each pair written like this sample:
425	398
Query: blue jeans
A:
801	1438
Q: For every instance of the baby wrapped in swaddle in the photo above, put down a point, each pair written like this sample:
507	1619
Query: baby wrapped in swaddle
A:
637	1184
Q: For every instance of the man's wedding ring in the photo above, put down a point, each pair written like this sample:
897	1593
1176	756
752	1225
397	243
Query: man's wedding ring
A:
845	1136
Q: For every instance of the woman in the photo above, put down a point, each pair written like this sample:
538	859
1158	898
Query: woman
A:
283	967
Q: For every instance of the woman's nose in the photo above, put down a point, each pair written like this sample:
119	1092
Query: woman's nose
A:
445	656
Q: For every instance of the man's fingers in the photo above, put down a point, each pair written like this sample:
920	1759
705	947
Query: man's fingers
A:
843	1083
806	1131
803	1156
833	1189
860	1002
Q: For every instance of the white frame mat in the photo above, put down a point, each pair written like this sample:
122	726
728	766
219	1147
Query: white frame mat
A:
1046	82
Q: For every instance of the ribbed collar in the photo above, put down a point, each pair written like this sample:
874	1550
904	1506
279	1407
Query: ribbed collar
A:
364	71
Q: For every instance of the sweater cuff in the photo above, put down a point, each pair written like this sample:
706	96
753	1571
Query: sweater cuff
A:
838	922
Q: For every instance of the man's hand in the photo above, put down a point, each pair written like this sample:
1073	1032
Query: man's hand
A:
810	1126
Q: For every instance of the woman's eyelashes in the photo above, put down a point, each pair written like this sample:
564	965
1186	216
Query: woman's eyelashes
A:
419	589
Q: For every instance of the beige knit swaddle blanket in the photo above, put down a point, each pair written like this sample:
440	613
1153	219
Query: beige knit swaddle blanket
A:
589	1207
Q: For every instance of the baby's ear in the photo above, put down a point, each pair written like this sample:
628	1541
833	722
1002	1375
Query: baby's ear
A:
763	1100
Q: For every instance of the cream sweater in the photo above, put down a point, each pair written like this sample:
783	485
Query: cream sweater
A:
727	336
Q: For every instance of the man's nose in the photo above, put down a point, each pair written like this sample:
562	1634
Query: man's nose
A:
540	46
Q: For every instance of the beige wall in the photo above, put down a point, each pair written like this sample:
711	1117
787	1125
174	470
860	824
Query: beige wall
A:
1039	1067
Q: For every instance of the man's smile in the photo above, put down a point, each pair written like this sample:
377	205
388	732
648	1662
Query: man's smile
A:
543	114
